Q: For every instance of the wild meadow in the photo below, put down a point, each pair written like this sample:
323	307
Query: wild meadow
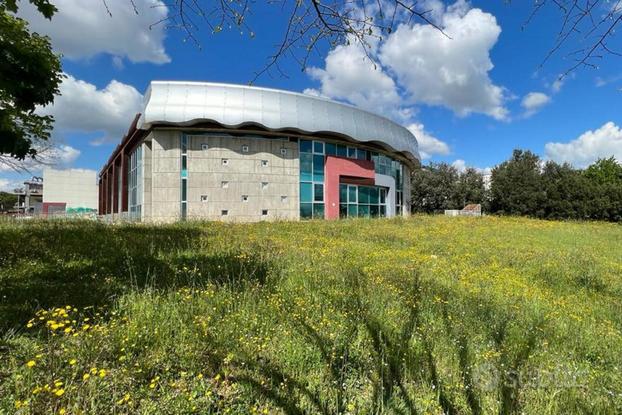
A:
426	315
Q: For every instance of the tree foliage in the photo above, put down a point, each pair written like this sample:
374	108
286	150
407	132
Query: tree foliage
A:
30	73
7	201
441	186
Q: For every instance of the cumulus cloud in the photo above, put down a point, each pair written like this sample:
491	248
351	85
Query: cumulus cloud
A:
448	71
48	154
81	107
349	75
462	166
428	144
604	142
417	64
82	29
8	185
533	102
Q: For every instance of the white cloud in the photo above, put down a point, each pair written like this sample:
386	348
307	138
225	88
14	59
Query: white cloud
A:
462	166
533	102
459	165
48	154
349	75
428	144
448	71
417	64
81	107
7	185
82	29
588	147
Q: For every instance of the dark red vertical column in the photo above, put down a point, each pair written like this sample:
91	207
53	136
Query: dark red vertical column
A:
124	170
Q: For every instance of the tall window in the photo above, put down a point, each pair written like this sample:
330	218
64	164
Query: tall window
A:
364	201
311	179
135	183
184	176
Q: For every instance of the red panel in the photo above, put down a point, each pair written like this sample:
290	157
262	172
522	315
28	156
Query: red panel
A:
46	206
335	168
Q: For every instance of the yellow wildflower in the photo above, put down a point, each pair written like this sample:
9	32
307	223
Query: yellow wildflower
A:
31	363
59	392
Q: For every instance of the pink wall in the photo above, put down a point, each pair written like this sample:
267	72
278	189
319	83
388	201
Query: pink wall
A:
334	169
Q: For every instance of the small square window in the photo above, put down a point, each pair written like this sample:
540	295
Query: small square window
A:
244	198
224	212
264	185
203	198
225	162
283	199
264	212
224	184
318	147
283	151
264	163
204	146
244	148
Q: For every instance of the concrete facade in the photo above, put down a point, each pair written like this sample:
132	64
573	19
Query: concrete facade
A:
248	178
76	188
215	152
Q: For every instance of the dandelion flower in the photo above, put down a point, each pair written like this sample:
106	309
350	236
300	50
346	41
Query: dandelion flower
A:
59	392
73	362
31	363
86	376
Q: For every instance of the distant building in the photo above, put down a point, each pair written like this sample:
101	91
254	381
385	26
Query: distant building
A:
232	152
468	210
29	197
71	191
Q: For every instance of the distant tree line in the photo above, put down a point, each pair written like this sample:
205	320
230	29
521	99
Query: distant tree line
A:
524	185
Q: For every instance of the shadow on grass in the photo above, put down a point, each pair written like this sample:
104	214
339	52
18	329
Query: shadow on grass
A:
50	264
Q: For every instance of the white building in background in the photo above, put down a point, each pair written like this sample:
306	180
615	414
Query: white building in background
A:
69	191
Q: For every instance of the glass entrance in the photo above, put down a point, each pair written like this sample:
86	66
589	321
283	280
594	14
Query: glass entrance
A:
362	201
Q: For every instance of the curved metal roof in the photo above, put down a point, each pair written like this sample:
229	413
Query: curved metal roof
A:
187	103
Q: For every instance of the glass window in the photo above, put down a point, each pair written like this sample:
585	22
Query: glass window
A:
343	193
184	190
306	167
364	210
351	152
184	162
342	151
353	210
306	194
373	210
306	210
373	195
383	210
343	210
318	210
361	154
363	194
383	196
318	194
352	194
331	149
318	147
306	146
318	168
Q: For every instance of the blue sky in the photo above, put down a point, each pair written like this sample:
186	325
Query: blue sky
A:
470	99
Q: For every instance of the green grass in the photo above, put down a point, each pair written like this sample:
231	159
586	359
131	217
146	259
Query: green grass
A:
428	315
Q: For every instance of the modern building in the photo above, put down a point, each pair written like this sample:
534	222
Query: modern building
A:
230	152
69	192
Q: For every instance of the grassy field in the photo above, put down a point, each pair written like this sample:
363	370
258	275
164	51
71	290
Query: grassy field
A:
428	315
